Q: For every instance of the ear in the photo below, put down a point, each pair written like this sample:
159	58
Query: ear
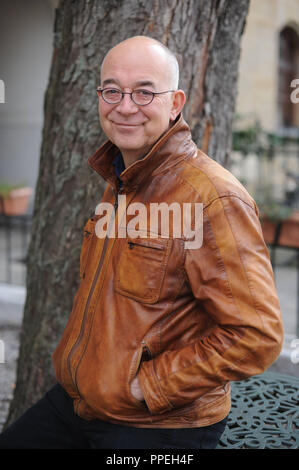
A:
178	102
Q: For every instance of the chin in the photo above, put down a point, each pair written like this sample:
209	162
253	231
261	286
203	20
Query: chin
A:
128	146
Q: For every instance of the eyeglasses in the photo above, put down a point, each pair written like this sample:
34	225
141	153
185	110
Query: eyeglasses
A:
139	97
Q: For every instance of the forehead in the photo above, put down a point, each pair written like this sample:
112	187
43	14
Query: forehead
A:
131	66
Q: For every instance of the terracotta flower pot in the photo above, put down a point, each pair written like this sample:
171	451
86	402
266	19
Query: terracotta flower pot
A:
16	203
289	231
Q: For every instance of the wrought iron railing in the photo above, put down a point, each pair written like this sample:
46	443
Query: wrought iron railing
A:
264	413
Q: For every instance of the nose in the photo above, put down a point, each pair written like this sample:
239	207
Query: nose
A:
127	106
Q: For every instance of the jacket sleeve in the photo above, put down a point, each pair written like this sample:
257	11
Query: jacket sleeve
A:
231	277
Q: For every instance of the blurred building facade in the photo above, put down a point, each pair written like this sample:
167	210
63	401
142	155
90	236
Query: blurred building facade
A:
269	63
26	42
266	130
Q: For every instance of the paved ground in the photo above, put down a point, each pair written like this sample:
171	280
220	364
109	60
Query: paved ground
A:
12	298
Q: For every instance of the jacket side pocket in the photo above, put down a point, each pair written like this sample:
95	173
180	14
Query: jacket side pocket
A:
143	354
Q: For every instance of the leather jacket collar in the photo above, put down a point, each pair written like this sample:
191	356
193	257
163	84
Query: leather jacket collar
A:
172	146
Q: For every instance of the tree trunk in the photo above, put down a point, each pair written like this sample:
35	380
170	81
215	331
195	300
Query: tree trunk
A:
206	37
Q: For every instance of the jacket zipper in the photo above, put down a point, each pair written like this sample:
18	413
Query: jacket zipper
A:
95	279
154	247
87	236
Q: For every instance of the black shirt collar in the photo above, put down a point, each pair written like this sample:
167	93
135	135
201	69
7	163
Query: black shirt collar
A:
119	166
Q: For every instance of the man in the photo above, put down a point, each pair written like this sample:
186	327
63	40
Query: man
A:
159	327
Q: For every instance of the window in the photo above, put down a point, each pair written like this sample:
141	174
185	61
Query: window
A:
288	70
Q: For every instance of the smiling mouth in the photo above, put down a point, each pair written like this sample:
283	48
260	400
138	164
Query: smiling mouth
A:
124	124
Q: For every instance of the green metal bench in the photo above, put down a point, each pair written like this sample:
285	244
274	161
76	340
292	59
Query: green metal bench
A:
264	413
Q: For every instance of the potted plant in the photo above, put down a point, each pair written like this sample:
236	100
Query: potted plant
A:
14	198
280	224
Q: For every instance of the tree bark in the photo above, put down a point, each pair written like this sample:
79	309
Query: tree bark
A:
206	37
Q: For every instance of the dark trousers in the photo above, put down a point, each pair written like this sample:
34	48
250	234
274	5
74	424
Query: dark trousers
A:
52	424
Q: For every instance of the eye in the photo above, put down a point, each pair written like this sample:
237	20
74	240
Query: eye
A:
111	95
142	97
145	93
111	91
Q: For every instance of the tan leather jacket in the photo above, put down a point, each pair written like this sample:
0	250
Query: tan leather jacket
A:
187	321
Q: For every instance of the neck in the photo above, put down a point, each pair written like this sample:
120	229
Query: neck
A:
131	157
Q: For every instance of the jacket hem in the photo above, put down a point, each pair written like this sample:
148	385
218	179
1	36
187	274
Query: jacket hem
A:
195	416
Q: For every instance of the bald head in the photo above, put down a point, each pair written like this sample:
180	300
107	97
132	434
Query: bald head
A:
144	66
155	50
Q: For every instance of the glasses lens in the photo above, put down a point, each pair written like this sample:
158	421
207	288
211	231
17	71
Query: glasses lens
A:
142	97
111	95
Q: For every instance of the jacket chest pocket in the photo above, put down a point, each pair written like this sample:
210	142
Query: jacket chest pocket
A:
141	268
88	234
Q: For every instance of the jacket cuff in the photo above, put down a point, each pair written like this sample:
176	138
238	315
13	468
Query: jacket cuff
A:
155	399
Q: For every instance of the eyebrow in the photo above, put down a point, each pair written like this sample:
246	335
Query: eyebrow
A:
145	83
110	80
149	83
